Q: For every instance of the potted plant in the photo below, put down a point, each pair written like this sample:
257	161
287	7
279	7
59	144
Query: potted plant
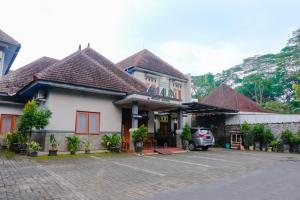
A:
248	136
258	131
112	142
186	136
139	136
4	141
17	142
275	144
73	144
294	143
269	137
87	147
53	148
286	137
34	147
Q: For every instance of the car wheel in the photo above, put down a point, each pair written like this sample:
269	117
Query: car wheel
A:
204	148
191	146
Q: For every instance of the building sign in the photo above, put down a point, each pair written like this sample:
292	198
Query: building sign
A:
160	91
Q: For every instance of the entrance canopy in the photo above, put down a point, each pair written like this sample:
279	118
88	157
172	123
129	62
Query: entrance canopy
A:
204	109
145	102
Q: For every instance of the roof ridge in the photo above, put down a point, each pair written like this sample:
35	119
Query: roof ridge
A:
108	71
164	61
57	63
115	69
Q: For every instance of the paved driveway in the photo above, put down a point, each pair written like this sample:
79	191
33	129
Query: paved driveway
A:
215	174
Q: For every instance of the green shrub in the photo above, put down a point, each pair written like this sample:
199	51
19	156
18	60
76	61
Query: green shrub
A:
275	144
15	137
269	137
186	132
140	134
258	131
34	146
286	136
73	143
112	142
247	133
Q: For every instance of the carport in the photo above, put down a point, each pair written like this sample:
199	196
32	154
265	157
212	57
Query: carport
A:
208	116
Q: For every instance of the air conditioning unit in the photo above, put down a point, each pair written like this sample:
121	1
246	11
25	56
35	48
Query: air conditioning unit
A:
40	95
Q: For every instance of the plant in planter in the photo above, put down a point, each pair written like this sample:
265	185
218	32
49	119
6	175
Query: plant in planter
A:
112	142
17	142
33	117
269	137
294	143
186	136
4	141
139	136
258	131
248	136
286	138
73	144
275	144
87	147
53	148
34	147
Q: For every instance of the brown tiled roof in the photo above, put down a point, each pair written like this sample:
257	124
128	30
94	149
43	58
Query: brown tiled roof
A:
17	79
6	38
81	69
114	69
147	60
226	97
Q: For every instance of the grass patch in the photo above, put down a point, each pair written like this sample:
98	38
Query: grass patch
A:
7	154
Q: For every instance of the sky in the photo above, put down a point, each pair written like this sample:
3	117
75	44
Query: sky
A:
195	36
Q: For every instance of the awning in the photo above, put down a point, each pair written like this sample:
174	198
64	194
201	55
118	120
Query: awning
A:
204	109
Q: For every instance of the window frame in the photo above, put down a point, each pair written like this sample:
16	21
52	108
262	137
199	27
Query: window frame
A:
13	123
87	132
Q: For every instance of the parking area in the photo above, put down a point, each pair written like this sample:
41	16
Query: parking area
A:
124	176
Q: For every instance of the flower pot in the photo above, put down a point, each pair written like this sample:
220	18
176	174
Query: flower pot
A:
286	148
269	149
34	154
138	146
52	152
87	151
185	144
23	149
251	148
15	147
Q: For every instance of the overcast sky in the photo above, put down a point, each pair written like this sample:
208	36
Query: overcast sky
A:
194	36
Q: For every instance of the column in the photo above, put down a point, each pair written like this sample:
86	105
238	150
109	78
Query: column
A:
179	130
135	112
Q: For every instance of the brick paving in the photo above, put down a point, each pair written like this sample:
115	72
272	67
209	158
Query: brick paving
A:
122	176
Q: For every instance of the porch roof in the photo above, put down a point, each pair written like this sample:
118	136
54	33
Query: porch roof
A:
200	108
146	102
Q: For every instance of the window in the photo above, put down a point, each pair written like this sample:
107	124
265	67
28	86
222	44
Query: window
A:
87	122
8	123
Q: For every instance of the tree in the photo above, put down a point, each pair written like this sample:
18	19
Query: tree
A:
277	106
256	87
203	85
33	117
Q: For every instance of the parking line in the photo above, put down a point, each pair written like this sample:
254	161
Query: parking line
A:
216	159
131	167
180	161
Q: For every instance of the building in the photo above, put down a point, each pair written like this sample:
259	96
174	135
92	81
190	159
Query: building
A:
89	96
242	109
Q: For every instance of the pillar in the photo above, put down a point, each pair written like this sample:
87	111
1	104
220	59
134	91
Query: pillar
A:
135	113
179	130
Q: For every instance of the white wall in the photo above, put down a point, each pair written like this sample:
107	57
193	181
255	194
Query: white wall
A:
11	109
265	118
64	104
